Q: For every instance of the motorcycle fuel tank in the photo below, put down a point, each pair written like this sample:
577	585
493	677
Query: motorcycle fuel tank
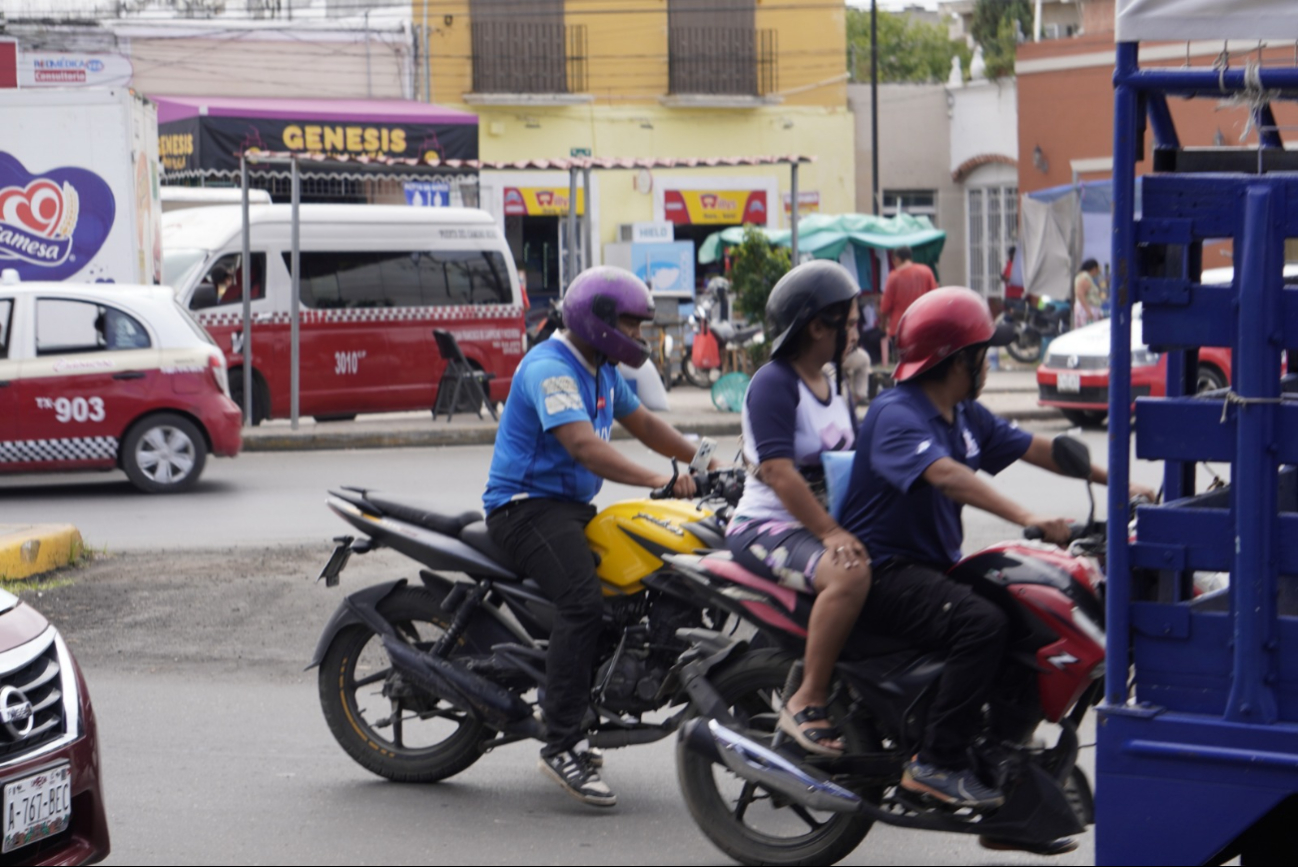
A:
631	537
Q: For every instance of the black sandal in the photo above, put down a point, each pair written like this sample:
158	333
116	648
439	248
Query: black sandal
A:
810	739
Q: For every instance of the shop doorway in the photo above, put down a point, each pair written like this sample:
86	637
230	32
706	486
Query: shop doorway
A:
540	249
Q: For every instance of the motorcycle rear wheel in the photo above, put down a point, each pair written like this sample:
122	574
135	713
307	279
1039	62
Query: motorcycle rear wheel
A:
1026	347
744	820
372	725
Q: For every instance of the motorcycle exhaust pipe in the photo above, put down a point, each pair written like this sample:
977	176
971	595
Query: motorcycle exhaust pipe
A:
469	692
758	764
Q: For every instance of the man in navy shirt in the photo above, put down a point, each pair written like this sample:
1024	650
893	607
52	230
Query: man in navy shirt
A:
551	457
917	455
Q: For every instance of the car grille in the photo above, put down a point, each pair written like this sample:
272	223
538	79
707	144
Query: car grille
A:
1093	394
41	682
1058	361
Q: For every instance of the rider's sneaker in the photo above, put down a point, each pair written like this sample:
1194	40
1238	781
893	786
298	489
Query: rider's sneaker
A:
956	788
573	771
594	756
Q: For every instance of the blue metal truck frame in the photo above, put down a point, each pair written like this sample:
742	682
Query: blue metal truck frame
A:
1197	757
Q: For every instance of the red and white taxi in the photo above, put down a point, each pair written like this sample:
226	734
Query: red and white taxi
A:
1075	374
103	376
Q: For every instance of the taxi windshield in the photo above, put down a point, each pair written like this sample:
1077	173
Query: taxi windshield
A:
178	263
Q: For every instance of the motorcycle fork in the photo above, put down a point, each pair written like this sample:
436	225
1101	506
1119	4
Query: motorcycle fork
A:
463	613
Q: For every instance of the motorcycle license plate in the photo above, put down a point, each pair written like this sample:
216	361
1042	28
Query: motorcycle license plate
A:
37	807
1070	383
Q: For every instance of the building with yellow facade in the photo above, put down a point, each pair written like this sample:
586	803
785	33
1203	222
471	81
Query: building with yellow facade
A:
667	79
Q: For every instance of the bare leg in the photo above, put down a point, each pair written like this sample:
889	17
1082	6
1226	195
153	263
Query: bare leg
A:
840	595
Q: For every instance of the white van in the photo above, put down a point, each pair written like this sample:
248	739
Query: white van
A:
376	281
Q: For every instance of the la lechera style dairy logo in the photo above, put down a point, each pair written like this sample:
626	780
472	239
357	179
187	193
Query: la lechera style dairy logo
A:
52	224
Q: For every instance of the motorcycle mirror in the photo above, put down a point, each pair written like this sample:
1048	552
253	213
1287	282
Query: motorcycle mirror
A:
1071	456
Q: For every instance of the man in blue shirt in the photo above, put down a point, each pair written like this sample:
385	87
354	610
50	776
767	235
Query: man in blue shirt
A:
552	455
915	469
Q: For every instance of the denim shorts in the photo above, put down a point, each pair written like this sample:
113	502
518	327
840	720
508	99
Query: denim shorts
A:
782	551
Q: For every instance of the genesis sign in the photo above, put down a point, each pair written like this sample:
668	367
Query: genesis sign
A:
52	224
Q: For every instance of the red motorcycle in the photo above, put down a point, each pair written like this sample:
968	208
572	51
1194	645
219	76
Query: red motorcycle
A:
763	800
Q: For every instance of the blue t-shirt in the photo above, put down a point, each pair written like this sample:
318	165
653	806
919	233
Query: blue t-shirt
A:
889	505
552	387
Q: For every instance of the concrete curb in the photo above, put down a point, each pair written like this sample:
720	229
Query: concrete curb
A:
32	549
717	425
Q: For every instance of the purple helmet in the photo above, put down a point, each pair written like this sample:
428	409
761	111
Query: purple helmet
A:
593	303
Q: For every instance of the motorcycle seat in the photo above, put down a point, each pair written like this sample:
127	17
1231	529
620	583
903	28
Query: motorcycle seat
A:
447	525
476	537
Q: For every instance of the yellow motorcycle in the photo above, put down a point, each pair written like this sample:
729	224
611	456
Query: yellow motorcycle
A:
419	679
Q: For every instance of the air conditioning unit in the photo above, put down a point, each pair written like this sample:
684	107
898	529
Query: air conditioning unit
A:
625	232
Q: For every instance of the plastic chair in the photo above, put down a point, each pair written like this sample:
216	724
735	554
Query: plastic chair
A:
460	375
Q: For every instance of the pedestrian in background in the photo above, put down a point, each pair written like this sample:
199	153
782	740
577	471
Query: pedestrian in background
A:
1086	294
907	282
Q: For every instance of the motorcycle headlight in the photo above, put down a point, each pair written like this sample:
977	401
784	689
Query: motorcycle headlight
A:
1143	357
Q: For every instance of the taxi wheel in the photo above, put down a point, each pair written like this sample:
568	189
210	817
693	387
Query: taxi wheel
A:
1085	417
164	454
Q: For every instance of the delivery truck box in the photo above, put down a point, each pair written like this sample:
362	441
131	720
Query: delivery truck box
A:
79	185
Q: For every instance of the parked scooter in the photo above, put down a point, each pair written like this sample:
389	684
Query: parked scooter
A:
418	679
1036	321
763	800
714	333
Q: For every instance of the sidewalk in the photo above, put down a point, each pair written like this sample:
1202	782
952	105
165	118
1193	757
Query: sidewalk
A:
1009	393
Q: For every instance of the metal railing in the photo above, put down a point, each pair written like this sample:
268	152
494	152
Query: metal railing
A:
723	60
528	57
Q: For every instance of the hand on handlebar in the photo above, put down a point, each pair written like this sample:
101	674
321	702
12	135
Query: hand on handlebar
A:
1057	531
1141	495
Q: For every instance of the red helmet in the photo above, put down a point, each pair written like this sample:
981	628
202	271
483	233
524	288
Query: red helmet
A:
941	323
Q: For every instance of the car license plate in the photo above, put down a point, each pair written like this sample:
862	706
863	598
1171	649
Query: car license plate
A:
1070	383
37	807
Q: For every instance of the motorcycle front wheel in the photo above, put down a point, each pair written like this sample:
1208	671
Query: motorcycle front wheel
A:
747	822
388	726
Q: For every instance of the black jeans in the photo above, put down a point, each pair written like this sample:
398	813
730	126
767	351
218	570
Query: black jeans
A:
547	541
926	609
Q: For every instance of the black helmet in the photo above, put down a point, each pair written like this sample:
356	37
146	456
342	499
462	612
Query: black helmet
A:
800	296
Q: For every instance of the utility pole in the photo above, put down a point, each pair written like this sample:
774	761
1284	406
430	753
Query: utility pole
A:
369	82
874	105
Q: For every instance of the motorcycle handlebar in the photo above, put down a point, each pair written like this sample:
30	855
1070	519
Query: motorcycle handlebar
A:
727	484
1076	530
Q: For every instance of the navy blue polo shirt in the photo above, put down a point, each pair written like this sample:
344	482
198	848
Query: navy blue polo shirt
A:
889	505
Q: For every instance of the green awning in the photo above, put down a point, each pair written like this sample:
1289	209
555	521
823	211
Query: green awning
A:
825	236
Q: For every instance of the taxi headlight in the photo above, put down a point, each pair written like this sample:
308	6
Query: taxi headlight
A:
1143	357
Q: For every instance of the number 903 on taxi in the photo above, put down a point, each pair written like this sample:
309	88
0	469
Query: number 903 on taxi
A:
104	376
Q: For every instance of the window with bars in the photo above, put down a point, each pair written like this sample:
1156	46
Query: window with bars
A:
920	203
993	229
524	46
713	47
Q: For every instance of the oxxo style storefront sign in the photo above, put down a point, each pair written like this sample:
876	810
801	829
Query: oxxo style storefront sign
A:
715	207
541	201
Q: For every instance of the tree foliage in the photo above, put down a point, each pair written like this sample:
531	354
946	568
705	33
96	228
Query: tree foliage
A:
910	49
996	27
755	267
